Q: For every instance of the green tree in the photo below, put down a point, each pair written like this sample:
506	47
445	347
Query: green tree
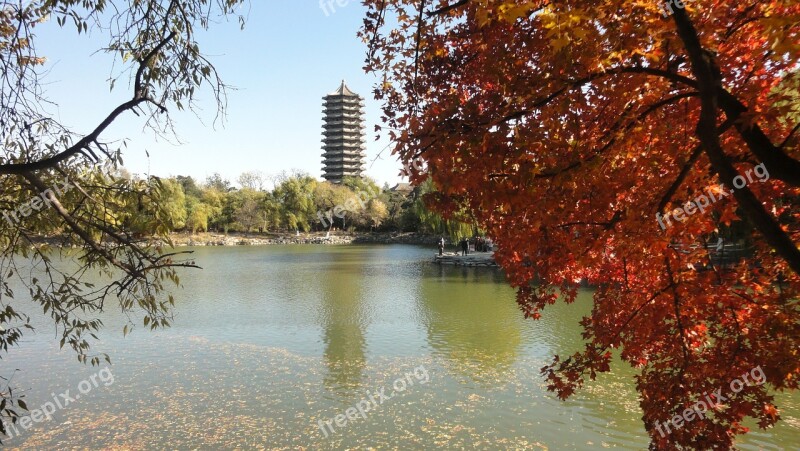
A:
249	207
327	196
215	201
456	225
364	185
215	181
271	211
198	214
173	202
375	213
398	207
73	172
296	197
190	187
253	180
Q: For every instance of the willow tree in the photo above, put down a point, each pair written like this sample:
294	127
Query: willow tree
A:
62	182
610	140
455	223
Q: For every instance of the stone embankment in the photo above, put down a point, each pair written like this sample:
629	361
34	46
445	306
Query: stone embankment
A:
485	259
214	239
395	238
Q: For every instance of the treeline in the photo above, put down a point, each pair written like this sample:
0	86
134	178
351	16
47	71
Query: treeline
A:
297	202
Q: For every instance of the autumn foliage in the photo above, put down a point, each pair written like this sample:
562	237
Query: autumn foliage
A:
565	127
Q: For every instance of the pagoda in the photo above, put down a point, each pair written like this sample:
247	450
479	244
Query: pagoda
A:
343	149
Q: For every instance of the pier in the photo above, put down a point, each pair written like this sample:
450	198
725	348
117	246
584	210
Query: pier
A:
475	259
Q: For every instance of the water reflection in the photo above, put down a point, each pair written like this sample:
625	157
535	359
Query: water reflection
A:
344	322
479	339
267	341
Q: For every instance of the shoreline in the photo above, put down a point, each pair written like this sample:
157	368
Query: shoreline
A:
320	238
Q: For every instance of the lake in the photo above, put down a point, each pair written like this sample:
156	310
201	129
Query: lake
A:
279	347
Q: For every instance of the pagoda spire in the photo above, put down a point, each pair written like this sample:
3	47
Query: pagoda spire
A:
344	91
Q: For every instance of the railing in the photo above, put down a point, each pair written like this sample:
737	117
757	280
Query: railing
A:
720	254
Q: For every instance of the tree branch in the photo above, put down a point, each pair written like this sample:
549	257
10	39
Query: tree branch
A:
139	97
448	8
688	167
780	165
709	84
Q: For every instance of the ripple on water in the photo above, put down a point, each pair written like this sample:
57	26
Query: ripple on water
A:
304	334
272	398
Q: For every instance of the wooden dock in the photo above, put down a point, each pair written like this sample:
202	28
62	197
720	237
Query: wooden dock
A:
474	259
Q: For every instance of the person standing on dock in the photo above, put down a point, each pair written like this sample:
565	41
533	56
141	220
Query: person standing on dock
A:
441	246
464	246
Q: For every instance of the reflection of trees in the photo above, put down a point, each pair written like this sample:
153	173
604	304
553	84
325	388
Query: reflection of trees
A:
343	321
472	321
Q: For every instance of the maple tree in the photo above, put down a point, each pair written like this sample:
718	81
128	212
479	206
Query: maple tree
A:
568	128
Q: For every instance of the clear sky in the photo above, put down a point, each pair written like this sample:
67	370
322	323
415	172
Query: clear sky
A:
287	58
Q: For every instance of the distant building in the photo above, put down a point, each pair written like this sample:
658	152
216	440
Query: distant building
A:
343	149
403	188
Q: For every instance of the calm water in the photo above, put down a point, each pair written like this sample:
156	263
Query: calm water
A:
267	341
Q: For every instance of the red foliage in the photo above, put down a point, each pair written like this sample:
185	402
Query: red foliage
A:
566	127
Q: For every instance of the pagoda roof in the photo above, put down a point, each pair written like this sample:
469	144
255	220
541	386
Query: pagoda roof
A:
403	188
343	90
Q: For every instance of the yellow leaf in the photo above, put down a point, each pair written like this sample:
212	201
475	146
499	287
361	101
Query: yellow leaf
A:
561	42
511	13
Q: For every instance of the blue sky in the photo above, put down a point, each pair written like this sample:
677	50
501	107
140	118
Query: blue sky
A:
289	56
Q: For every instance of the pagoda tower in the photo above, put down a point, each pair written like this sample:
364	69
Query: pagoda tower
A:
343	149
